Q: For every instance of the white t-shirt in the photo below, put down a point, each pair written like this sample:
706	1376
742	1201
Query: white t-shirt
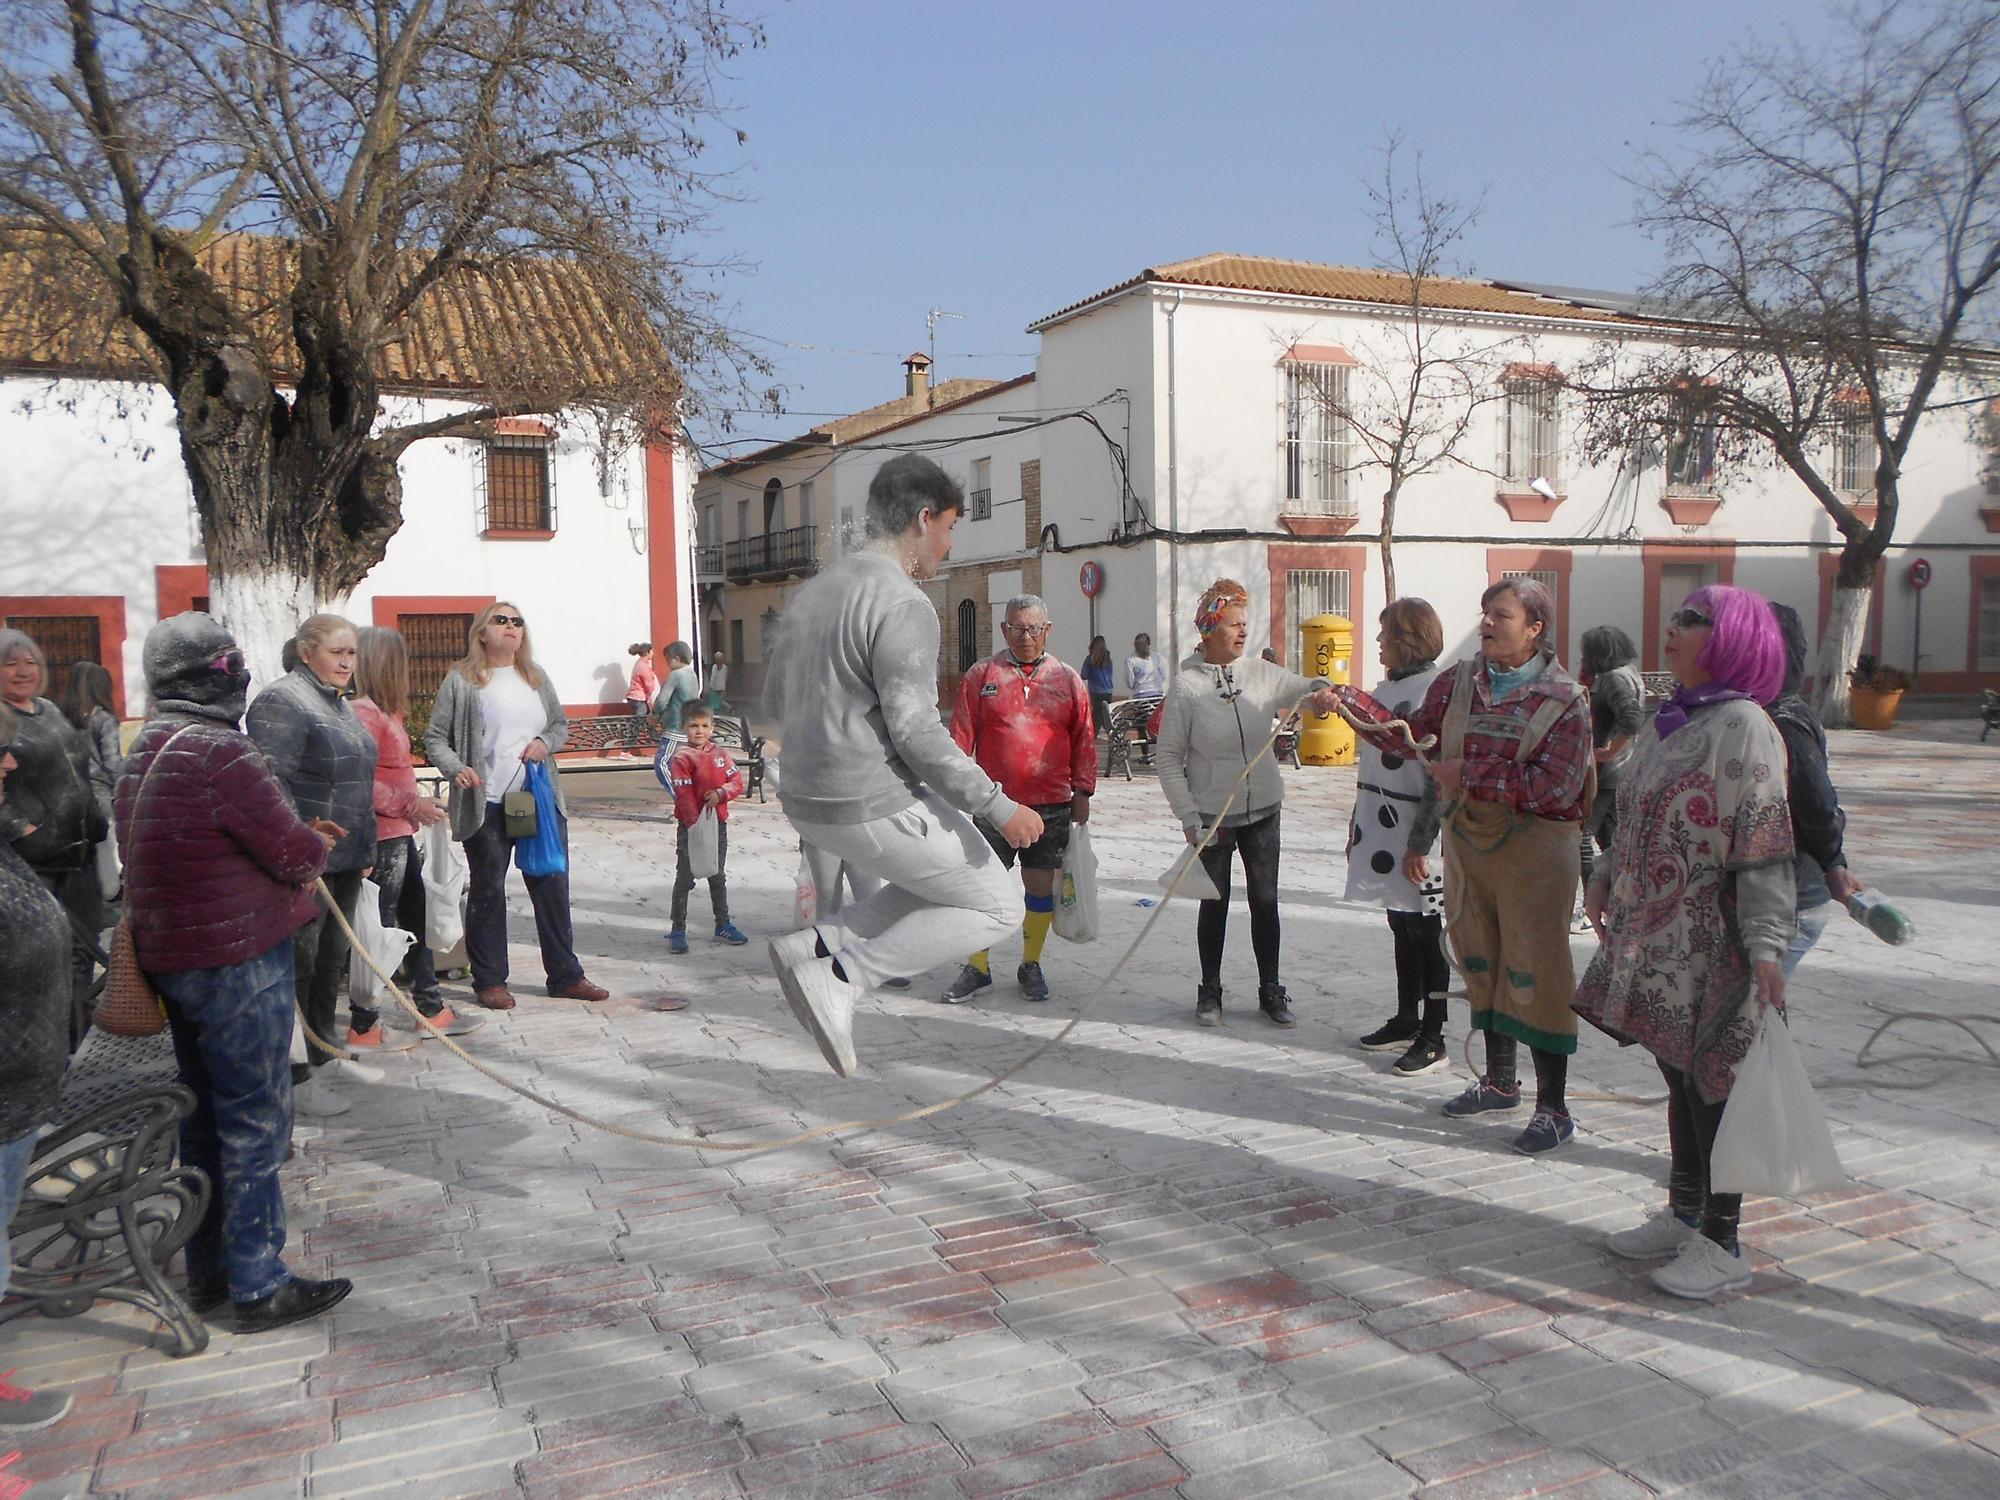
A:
513	714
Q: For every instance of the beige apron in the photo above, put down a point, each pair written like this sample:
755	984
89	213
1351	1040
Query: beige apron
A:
1509	887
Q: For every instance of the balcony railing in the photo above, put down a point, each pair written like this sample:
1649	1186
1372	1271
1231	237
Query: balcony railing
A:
708	562
778	554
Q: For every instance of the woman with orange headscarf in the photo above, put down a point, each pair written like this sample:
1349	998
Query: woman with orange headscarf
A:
1215	731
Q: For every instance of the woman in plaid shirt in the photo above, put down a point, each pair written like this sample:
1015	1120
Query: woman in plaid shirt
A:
1513	764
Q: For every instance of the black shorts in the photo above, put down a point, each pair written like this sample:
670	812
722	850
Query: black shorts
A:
1046	853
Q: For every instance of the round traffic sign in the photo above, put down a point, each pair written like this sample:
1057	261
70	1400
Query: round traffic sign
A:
1920	572
1090	578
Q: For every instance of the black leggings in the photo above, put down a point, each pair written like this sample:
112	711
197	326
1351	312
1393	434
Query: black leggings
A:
1691	1126
1551	1071
1258	843
1422	973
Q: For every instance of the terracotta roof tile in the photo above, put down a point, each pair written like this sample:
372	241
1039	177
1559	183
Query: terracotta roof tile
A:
1300	278
513	325
860	424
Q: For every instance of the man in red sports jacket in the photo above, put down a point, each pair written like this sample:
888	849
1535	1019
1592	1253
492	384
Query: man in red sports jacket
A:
1025	717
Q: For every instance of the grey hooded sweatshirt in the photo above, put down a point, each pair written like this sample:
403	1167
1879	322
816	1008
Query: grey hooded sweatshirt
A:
854	683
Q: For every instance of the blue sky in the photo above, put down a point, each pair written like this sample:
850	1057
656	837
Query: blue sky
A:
1002	159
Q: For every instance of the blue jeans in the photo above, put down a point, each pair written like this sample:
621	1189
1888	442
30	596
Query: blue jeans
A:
232	1029
14	1158
1812	922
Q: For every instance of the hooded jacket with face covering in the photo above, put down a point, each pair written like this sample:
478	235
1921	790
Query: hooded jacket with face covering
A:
217	863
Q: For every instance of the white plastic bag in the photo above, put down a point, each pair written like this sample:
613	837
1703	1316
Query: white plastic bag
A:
444	888
705	845
1774	1140
1076	891
1196	886
805	893
110	872
386	944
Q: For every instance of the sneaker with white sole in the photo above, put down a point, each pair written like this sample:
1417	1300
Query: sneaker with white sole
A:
970	982
821	1001
1703	1270
1546	1131
23	1410
348	1070
1663	1234
315	1100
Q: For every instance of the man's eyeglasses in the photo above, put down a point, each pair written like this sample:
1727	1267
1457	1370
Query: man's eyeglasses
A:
506	620
1010	628
1688	619
231	662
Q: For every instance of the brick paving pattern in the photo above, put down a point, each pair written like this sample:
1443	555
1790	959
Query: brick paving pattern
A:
1163	1262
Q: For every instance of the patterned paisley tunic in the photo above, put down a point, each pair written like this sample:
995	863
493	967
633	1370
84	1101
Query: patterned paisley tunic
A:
1696	810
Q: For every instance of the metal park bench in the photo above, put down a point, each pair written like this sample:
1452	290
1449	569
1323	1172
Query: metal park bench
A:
1129	717
732	732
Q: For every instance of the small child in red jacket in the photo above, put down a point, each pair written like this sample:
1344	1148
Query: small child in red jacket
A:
702	775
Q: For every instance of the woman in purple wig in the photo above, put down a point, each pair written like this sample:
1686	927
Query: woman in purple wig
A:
1694	905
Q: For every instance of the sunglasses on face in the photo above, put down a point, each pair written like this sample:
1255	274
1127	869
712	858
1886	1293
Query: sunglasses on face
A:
506	620
1688	619
231	662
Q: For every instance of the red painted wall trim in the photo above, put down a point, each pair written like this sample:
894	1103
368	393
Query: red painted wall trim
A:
1285	557
1654	557
107	609
663	549
1554	560
1982	568
1829	569
177	586
389	608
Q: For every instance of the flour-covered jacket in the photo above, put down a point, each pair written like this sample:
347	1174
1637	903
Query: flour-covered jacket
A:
1213	722
324	755
1389	805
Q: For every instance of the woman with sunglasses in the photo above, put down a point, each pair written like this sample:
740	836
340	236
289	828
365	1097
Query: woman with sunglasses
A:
218	874
51	817
326	758
1513	766
495	714
1694	905
1217	714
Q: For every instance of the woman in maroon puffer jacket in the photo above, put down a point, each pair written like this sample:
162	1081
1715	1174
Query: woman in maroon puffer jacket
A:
218	870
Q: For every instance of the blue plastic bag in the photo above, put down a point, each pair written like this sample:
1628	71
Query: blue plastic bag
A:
543	854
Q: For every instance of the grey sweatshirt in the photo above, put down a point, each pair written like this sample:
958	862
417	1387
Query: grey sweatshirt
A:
854	683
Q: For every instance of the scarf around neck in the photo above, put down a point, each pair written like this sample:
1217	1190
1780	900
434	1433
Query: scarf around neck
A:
1504	682
1675	712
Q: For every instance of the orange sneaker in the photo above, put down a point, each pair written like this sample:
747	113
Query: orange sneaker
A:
372	1037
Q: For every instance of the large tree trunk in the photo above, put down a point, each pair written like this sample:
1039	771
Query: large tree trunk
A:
1839	645
262	608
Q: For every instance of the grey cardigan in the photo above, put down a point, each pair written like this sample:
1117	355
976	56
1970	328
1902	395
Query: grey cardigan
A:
456	738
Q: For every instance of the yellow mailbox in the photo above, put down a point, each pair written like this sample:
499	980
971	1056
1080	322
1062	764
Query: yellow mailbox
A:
1329	652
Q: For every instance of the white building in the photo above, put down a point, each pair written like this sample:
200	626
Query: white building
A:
102	539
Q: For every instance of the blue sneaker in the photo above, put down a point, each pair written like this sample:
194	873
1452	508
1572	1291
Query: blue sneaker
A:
727	933
1481	1097
677	941
1546	1131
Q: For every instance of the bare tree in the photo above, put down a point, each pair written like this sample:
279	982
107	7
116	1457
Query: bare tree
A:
1832	226
1419	388
523	175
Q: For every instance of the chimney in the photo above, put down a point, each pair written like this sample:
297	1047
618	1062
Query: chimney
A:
917	375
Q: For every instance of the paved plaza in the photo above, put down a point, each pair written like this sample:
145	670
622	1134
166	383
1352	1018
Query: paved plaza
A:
1213	1264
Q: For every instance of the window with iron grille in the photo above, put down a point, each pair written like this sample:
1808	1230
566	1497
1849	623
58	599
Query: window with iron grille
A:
1532	430
1853	449
979	499
518	490
64	639
1319	444
435	642
968	636
1691	449
1309	592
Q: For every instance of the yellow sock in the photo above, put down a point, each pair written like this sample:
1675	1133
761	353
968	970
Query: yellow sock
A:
1034	933
980	962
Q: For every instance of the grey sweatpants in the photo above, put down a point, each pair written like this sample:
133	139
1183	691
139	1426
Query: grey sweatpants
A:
944	892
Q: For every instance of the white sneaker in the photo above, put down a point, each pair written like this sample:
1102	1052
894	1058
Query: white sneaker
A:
1663	1234
315	1100
348	1070
1703	1270
787	953
824	1004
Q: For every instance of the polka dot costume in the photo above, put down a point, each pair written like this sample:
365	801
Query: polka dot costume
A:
1390	789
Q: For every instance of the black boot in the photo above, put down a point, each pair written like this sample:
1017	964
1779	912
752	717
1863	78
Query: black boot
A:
1208	1005
1276	1005
298	1299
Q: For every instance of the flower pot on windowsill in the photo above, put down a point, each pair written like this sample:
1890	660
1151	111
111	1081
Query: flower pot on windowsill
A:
1874	708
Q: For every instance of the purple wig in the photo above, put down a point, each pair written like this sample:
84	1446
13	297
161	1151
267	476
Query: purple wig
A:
1746	649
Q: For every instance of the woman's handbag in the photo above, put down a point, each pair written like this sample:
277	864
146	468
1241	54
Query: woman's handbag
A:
518	812
1774	1139
542	852
130	1006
